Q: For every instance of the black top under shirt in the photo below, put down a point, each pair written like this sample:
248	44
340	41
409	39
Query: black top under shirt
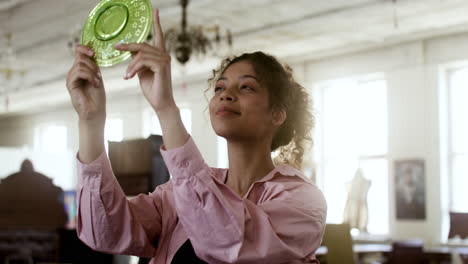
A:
185	254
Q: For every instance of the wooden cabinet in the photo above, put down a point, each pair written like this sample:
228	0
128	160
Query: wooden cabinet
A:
138	164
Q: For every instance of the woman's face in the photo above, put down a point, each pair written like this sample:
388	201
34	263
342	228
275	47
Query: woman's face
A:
239	108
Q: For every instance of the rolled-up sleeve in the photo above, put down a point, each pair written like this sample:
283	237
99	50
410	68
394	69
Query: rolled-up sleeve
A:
107	221
225	228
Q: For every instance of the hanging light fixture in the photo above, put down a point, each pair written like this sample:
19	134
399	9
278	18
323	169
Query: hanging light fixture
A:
12	74
395	15
186	41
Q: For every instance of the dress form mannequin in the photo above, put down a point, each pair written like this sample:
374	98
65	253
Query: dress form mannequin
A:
356	210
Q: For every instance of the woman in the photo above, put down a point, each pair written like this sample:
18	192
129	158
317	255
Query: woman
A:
253	212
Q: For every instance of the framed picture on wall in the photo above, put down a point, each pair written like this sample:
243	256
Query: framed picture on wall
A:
410	191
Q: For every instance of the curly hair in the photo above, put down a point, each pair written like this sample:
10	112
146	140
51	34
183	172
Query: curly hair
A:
284	93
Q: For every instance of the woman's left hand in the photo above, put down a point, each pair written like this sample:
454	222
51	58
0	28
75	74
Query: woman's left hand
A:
153	66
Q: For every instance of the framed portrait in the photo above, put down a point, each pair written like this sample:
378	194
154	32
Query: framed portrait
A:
410	191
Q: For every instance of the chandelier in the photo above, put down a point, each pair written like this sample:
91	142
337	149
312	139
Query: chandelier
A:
186	41
11	74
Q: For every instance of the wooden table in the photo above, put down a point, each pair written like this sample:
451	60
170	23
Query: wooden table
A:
362	250
435	254
443	254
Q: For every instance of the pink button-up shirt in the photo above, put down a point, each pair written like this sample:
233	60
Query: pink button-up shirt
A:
280	219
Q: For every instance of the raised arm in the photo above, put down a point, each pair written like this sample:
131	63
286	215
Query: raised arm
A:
107	221
110	223
152	64
86	89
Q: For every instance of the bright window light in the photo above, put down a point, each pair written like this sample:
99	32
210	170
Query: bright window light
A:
352	133
113	131
151	125
186	115
458	139
51	138
223	161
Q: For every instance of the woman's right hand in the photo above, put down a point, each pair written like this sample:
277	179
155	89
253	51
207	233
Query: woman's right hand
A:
84	83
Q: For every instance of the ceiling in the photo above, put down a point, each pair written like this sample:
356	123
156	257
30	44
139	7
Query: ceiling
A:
288	29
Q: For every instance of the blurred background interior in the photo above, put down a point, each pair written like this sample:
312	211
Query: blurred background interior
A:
389	79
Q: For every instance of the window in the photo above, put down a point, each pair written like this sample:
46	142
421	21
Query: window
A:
113	131
458	139
352	133
51	138
223	160
186	115
51	155
151	124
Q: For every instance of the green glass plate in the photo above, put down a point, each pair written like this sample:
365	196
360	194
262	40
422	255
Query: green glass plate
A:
116	21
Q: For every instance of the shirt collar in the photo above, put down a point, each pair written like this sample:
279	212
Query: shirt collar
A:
283	170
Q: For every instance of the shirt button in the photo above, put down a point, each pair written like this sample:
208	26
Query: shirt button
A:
185	164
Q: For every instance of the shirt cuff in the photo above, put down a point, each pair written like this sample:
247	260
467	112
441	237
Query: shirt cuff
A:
90	170
185	161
